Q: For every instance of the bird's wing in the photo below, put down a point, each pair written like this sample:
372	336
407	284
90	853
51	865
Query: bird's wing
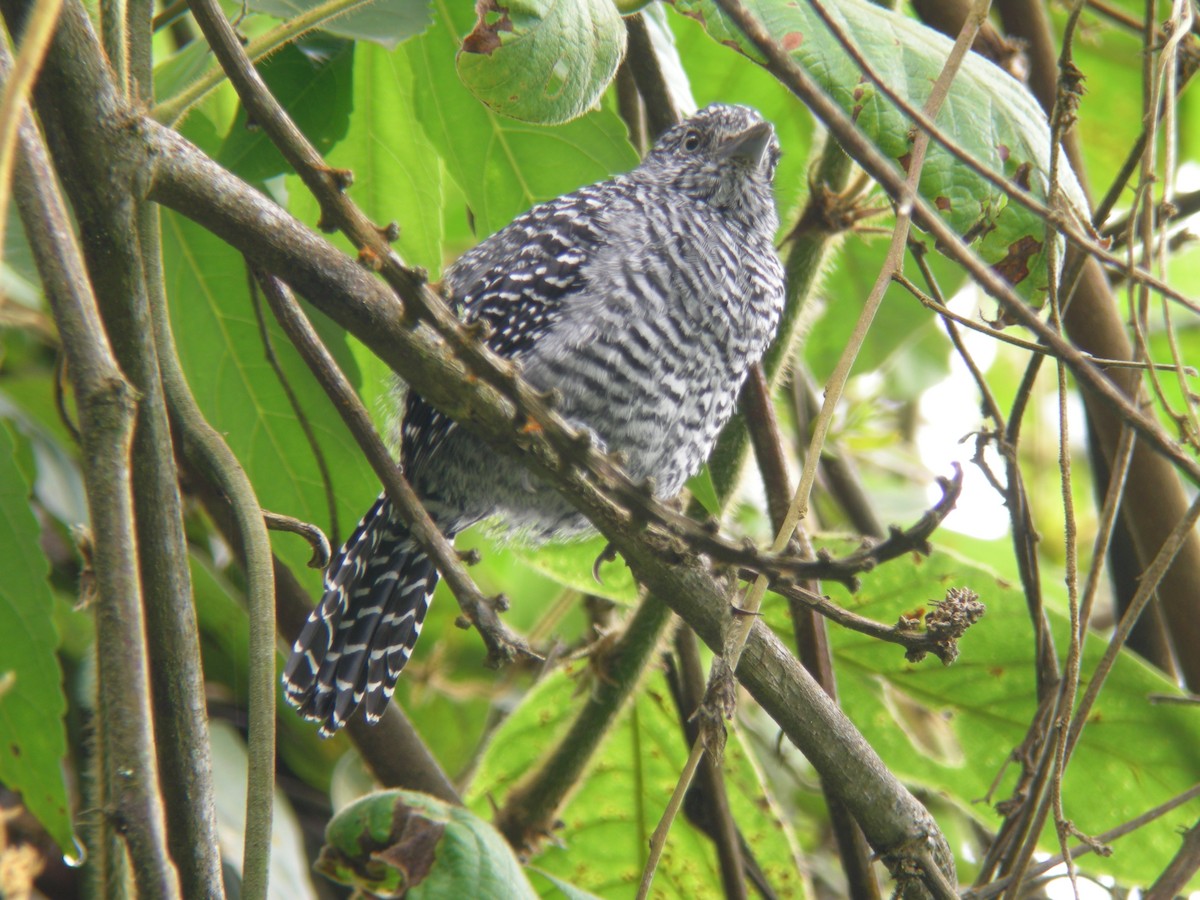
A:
514	281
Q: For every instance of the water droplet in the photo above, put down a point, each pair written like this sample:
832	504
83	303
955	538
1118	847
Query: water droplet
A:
78	858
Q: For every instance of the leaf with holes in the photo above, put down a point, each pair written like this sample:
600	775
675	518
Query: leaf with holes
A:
542	60
504	167
403	843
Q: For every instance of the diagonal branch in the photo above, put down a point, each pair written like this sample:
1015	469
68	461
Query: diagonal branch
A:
447	368
188	181
503	646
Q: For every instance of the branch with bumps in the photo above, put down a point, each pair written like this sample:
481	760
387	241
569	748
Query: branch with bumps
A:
445	364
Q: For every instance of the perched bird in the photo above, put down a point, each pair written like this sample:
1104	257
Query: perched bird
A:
642	301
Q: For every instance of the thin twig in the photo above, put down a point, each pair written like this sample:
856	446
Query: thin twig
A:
321	551
35	39
986	892
481	611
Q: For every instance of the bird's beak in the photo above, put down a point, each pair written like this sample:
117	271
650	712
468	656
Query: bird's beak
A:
749	145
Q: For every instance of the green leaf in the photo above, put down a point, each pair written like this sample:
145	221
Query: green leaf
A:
570	565
241	396
385	22
701	487
312	80
901	319
397	174
504	167
542	60
394	843
33	740
602	844
987	113
181	68
952	729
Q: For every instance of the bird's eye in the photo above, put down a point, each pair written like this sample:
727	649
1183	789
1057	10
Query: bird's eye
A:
691	141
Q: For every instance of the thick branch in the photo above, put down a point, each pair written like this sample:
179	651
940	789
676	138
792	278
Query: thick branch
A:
107	407
110	223
188	181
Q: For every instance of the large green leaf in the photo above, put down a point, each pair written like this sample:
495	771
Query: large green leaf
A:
240	394
503	167
397	174
542	60
385	22
952	728
397	178
312	80
602	844
987	113
33	741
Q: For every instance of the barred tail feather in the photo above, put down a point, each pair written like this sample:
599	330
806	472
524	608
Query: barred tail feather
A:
361	634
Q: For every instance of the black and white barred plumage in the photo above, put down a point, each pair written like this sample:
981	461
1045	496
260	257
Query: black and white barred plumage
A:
642	301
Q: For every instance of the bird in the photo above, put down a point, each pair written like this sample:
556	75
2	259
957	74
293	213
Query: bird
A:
641	302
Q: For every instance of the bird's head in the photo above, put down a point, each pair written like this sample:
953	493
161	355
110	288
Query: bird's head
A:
723	155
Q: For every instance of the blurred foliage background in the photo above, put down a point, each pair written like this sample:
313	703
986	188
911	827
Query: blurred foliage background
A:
380	93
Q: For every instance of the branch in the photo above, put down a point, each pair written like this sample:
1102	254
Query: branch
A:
107	407
529	811
180	710
188	181
207	453
503	646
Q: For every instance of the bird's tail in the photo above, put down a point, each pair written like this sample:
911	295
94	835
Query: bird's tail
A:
361	634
